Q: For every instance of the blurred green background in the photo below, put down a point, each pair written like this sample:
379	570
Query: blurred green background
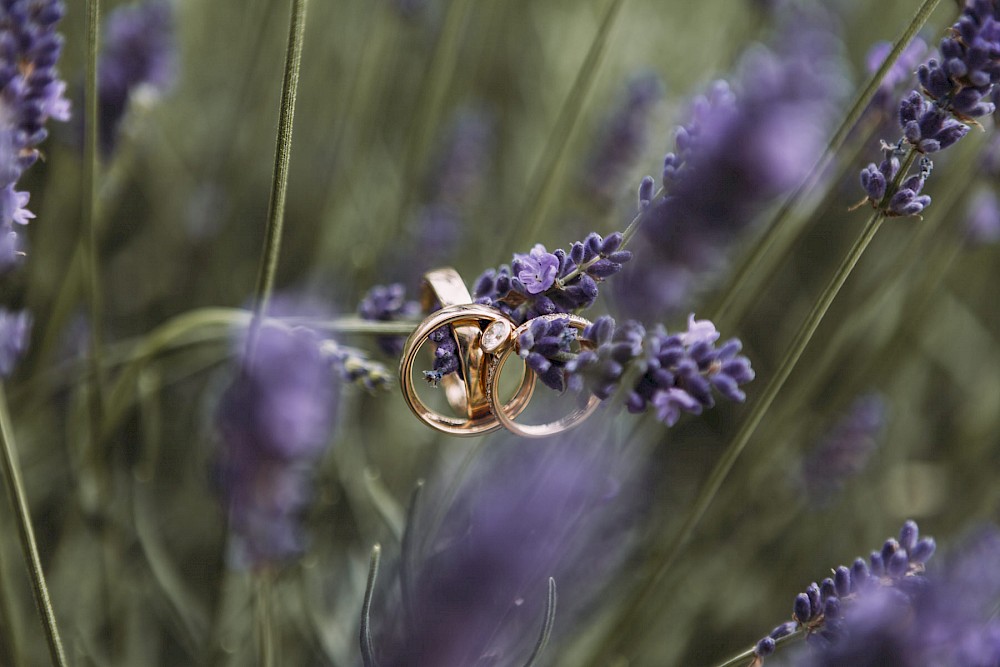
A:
141	579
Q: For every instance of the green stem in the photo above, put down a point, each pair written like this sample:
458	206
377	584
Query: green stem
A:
543	178
90	216
26	534
741	282
741	658
265	626
627	626
279	179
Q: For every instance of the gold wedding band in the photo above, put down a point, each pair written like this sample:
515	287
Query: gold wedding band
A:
464	391
500	346
463	317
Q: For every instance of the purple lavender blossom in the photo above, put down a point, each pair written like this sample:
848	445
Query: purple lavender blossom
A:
30	93
926	126
138	53
567	510
274	421
536	270
573	287
623	138
845	449
679	371
949	620
742	147
15	330
958	89
962	81
893	575
388	303
982	221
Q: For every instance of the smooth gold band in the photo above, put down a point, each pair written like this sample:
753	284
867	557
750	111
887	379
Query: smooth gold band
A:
496	364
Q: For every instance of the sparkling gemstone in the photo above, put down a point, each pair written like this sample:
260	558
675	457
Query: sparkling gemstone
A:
496	334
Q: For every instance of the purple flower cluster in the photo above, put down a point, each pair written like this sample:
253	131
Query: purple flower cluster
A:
388	303
677	372
31	92
970	63
950	620
845	449
15	329
623	138
896	568
956	89
274	421
543	283
742	147
138	51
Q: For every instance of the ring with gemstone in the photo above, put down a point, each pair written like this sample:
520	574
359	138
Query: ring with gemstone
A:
499	342
469	322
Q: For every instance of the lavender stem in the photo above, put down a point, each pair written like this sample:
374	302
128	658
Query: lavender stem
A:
279	180
26	534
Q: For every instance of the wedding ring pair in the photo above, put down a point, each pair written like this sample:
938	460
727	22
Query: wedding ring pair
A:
486	338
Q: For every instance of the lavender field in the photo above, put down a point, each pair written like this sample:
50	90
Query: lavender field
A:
500	333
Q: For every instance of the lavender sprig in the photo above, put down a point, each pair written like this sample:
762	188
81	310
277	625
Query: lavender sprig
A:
622	139
31	92
678	372
819	611
388	303
955	91
274	422
844	451
544	283
138	54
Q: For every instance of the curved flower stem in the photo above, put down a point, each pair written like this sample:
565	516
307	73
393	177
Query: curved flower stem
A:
741	282
26	534
279	179
628	625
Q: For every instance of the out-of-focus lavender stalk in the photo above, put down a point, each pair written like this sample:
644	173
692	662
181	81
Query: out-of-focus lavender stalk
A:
138	58
15	329
743	146
274	422
622	139
568	510
844	451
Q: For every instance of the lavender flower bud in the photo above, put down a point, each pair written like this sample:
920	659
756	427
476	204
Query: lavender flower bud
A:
765	647
802	610
842	581
908	535
923	550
